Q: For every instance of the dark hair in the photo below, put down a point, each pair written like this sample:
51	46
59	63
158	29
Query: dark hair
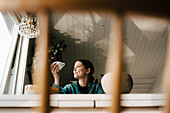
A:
88	64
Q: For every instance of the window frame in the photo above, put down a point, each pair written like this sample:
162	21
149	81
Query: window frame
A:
7	70
13	80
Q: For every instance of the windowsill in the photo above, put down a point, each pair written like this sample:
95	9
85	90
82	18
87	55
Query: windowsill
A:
83	100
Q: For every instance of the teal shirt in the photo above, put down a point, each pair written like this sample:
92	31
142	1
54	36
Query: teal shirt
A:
72	88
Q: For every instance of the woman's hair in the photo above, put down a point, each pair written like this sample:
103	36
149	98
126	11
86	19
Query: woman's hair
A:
88	64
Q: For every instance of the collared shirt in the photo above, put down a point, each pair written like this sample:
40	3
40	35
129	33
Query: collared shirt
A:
73	88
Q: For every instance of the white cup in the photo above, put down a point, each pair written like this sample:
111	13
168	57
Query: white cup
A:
60	64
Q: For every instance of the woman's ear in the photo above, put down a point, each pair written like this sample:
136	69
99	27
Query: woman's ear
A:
88	71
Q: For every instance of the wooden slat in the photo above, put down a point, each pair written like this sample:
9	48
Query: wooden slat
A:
166	75
118	63
159	7
41	72
114	62
89	4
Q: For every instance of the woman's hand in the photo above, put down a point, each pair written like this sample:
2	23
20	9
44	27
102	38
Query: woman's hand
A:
54	70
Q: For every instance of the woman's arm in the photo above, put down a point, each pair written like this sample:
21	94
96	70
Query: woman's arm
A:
68	89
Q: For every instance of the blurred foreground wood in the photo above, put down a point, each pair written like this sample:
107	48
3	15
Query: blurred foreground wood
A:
114	61
167	75
160	8
41	73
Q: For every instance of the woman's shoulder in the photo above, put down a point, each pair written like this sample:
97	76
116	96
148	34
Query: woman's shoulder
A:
95	83
71	84
97	87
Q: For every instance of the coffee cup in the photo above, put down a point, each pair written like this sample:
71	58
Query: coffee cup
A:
60	64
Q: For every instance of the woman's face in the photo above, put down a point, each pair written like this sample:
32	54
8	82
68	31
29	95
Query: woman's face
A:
79	70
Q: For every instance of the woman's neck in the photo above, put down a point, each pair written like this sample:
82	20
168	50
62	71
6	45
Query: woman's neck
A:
83	82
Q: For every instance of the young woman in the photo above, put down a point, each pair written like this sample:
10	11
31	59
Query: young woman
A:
83	71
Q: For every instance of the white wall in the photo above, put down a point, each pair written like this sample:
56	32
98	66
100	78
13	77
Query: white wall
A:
157	86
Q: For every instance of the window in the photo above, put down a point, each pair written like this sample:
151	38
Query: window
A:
13	49
6	48
5	42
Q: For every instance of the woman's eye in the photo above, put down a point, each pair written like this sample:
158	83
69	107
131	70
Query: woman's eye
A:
78	66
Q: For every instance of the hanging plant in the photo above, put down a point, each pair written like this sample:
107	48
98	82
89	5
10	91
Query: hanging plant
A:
56	50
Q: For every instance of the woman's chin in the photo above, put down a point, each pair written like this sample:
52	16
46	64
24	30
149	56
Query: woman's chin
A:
75	76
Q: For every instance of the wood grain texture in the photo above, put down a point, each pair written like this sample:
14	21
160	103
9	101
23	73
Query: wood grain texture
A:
160	7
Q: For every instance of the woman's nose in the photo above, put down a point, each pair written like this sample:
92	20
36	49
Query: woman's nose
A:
74	69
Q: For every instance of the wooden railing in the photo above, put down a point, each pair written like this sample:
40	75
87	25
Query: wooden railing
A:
159	8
